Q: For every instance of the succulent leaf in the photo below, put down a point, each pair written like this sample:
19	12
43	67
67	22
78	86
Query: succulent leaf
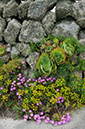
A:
45	64
68	48
48	49
58	55
56	41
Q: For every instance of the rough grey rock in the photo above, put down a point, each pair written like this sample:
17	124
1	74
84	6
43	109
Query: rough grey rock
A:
5	1
23	9
82	41
63	9
38	8
31	31
31	74
1	8
84	74
32	59
1	43
79	12
78	73
82	55
10	9
82	34
66	28
2	27
48	22
23	48
49	3
12	31
14	52
74	59
26	73
5	57
8	48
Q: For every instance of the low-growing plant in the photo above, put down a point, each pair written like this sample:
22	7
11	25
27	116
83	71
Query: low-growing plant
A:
51	95
48	49
68	48
58	56
2	50
45	64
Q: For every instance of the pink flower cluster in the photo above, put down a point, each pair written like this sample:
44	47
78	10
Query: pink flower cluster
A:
13	86
38	118
64	119
60	99
38	103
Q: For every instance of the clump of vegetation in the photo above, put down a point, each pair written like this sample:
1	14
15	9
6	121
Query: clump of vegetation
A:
2	50
45	65
54	92
58	55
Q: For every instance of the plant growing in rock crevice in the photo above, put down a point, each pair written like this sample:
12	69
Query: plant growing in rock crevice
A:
68	48
45	64
2	50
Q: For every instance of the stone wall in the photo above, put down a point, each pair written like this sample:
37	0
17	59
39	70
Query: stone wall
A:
26	21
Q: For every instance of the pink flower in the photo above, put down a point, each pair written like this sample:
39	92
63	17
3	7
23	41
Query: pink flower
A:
59	122
29	117
26	116
48	118
41	113
44	76
40	103
44	82
30	111
62	100
57	89
36	116
0	93
19	67
43	117
19	83
55	123
38	121
23	62
29	84
52	121
37	104
58	101
14	88
24	110
17	93
19	96
53	78
25	119
46	121
31	114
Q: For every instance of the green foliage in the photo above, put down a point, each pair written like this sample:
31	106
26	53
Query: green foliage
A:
45	64
35	46
77	85
68	48
58	55
56	41
48	49
2	50
81	64
2	62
